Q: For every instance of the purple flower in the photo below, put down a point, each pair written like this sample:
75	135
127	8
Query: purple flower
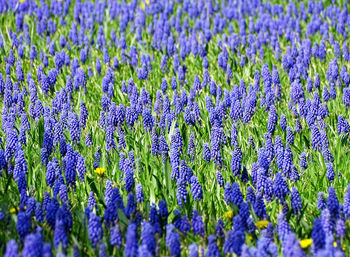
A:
32	53
102	250
193	250
213	250
272	120
81	167
269	148
155	142
63	193
206	152
92	201
139	193
191	147
11	143
303	161
11	249
259	206
321	204
280	187
95	229
131	246
33	245
287	160
129	180
148	119
266	75
250	195
60	235
39	213
116	237
130	206
315	138
236	164
332	202
327	222
219	179
263	159
283	122
147	237
296	201
198	227
330	171
237	197
23	224
283	228
318	235
290	136
196	189
163	209
83	115
74	125
173	241
234	241
326	96
181	193
346	97
333	72
347	202
291	246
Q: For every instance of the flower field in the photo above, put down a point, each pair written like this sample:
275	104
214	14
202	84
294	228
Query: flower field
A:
174	128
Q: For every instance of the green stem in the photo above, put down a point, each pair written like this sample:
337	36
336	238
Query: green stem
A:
7	184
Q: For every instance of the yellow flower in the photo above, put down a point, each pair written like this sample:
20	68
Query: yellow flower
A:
143	4
305	243
262	224
248	239
13	210
229	214
335	244
100	171
22	1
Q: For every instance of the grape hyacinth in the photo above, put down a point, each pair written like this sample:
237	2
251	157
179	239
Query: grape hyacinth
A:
175	128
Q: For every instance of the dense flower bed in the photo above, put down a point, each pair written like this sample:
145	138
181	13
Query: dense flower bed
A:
174	128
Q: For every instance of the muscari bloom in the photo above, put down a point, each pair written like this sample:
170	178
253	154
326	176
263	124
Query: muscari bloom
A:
147	237
74	127
198	227
33	245
236	163
330	171
139	193
116	236
296	201
280	187
213	250
23	224
95	229
347	202
60	235
332	202
11	249
318	235
283	228
131	241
